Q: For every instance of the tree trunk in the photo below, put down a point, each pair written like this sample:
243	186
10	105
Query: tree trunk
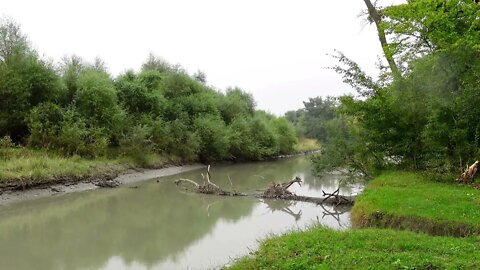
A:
377	19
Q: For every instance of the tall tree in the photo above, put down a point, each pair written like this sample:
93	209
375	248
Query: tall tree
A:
374	15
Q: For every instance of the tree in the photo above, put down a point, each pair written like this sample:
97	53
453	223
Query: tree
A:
71	68
375	16
12	41
317	112
25	81
200	76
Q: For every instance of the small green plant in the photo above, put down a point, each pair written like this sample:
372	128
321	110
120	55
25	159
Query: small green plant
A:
6	142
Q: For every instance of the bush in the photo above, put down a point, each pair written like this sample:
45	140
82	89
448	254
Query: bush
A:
214	138
77	139
6	142
97	98
137	143
53	128
174	138
45	123
285	134
139	96
263	137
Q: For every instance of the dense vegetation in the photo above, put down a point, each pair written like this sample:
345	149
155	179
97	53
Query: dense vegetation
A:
77	108
425	117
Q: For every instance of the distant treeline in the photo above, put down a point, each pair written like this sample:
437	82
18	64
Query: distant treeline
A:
78	108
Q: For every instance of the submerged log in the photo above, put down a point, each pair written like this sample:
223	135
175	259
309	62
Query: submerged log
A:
275	191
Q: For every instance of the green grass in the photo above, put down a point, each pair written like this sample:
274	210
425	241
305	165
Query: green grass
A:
23	167
407	200
306	145
321	248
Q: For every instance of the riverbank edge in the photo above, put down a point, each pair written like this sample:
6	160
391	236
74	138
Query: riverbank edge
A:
324	248
408	201
64	184
79	184
379	230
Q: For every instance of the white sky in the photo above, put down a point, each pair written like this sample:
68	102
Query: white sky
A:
275	49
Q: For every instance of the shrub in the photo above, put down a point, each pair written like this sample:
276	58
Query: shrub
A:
214	138
97	98
285	134
137	143
45	123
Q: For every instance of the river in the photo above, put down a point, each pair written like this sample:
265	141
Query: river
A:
155	225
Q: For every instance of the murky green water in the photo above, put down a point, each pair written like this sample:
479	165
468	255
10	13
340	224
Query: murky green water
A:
157	226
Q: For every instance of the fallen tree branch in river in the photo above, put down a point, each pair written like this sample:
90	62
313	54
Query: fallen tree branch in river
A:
208	186
275	191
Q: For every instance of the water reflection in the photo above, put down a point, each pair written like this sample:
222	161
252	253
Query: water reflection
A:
155	226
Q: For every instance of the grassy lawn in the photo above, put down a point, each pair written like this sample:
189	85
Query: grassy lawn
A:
409	201
25	167
321	248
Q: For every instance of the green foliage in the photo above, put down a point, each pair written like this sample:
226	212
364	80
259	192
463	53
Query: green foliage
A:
6	142
421	27
236	103
176	139
97	98
214	138
81	110
45	125
285	135
137	143
426	119
71	68
263	136
25	82
297	119
140	94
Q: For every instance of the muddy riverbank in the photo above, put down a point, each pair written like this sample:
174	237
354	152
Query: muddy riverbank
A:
129	177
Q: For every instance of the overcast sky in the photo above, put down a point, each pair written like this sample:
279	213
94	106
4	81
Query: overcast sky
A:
275	49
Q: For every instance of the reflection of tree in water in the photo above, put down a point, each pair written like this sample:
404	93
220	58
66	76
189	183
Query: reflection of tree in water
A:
147	224
335	212
283	206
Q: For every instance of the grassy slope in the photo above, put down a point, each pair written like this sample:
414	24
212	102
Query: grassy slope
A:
26	167
409	201
321	248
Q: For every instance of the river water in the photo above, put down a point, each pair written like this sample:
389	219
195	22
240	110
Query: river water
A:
156	225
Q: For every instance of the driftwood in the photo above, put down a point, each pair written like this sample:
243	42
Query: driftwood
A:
208	186
275	191
469	174
278	191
